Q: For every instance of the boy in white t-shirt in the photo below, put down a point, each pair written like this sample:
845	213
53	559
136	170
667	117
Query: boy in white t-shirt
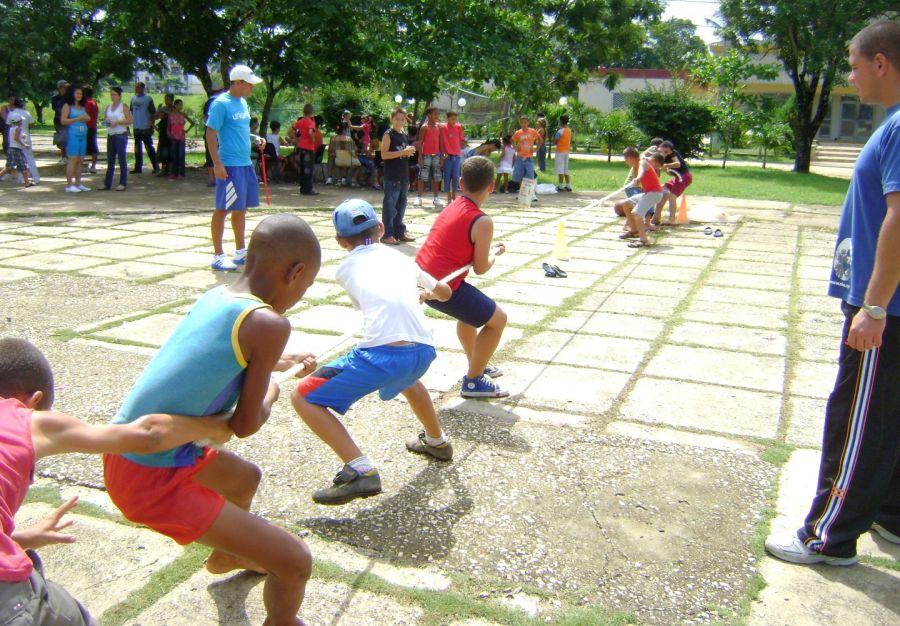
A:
395	352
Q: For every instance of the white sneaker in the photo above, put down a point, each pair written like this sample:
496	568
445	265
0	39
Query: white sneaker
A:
221	263
121	188
83	188
438	203
417	201
72	189
240	257
329	181
792	550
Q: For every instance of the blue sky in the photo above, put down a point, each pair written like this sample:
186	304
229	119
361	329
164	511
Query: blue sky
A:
697	11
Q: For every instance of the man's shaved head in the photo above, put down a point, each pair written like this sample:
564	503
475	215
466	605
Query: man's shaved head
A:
283	240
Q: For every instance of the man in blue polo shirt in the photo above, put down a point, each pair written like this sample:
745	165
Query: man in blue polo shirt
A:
859	473
228	138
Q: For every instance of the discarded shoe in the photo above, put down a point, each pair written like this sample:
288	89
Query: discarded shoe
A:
707	230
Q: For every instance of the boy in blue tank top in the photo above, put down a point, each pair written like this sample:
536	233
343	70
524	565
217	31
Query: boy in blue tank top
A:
222	356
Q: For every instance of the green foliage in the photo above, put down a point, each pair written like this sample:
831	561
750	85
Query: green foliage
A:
670	45
617	131
768	126
674	114
810	38
726	77
332	99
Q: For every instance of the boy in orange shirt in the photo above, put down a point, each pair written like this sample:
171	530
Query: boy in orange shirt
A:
526	140
563	139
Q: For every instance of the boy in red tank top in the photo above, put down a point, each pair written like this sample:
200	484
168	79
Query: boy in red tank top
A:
638	207
461	235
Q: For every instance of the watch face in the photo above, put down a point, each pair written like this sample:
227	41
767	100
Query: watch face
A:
875	312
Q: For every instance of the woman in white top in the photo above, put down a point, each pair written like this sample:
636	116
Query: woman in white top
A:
117	119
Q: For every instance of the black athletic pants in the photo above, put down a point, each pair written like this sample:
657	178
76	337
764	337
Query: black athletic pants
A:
859	474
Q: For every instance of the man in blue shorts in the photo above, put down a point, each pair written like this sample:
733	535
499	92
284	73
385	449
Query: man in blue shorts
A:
396	349
228	138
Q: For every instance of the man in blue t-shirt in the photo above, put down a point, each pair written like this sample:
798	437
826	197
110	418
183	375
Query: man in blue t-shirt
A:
228	139
859	473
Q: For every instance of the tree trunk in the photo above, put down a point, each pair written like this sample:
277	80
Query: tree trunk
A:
803	142
271	91
724	153
765	153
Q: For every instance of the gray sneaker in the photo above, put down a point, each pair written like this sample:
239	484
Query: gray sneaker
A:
885	534
493	371
443	452
349	485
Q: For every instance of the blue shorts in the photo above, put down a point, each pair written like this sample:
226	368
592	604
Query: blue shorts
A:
451	172
76	144
238	192
467	304
522	168
386	369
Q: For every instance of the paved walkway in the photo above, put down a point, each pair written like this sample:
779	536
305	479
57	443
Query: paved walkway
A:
665	404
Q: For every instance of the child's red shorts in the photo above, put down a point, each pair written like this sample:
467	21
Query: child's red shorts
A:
166	499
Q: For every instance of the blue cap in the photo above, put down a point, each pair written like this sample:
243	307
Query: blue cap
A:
346	217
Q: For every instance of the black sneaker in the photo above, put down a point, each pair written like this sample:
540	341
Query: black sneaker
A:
349	485
443	452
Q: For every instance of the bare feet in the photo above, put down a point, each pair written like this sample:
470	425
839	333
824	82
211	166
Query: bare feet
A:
221	562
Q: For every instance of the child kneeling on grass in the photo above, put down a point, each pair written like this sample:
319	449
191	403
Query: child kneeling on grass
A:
395	352
29	431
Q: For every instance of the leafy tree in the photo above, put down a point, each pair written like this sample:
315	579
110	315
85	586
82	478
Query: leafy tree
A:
810	38
670	45
617	131
768	130
727	75
674	114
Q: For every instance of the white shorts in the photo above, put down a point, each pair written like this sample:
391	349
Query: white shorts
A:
561	162
504	168
643	203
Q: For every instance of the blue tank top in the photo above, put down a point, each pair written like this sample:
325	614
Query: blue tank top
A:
198	371
78	128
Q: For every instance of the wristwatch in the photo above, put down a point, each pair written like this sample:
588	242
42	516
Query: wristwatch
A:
875	312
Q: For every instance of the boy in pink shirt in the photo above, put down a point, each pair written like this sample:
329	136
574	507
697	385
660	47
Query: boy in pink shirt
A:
29	431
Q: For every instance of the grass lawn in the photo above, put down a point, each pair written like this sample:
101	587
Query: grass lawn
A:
732	182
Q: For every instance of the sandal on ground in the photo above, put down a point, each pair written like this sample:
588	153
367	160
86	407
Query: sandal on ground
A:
707	230
718	233
630	235
560	273
549	271
640	244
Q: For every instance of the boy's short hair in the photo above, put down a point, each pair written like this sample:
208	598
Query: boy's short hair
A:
563	119
398	111
881	37
631	152
656	141
452	114
307	108
477	173
667	144
275	125
178	101
23	370
656	156
523	117
496	143
430	110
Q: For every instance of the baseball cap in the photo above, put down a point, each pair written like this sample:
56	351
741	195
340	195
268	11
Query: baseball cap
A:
351	217
60	83
244	73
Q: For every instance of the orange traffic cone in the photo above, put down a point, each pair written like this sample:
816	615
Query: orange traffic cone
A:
682	211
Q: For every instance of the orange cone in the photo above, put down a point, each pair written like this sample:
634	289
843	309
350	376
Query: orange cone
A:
682	211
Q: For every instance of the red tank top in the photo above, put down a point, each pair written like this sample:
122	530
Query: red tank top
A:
430	136
16	474
449	244
650	181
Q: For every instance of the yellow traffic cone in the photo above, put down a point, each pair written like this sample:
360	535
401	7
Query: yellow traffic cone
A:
682	211
561	247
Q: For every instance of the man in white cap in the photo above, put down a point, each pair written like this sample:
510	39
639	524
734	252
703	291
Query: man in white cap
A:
228	138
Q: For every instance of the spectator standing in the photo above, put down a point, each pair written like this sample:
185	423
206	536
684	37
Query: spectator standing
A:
56	103
117	119
210	175
143	112
541	128
163	153
93	111
74	116
395	153
431	160
453	139
177	135
228	136
305	131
